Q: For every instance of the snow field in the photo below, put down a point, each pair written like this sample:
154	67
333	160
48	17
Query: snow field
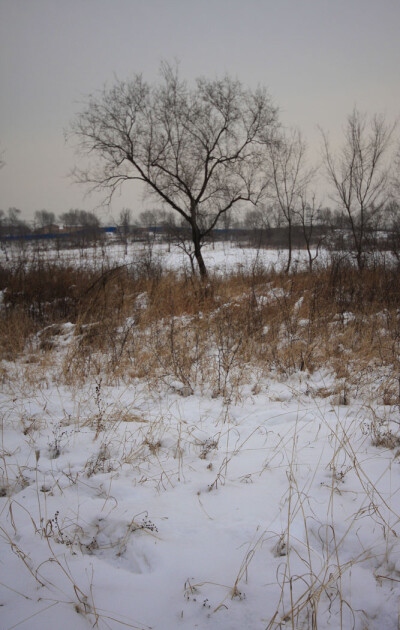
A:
188	512
149	482
221	257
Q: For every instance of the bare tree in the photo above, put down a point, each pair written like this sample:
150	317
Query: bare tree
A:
290	177
308	213
149	218
13	217
14	224
44	218
198	150
256	218
79	218
124	223
359	175
396	174
392	211
2	222
84	227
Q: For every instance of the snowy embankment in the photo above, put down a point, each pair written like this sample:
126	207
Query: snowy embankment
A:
269	502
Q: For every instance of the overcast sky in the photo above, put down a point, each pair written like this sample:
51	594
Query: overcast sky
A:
318	58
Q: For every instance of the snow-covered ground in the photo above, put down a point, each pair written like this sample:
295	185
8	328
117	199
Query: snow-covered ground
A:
160	508
220	257
184	512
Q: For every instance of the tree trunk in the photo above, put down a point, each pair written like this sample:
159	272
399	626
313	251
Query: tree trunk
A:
200	262
307	238
359	247
197	251
360	260
289	262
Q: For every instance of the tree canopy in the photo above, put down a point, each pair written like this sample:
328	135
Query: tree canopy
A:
199	150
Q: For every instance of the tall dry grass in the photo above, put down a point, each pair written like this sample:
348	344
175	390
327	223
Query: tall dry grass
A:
137	322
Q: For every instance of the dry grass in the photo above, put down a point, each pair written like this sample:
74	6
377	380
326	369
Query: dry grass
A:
127	323
136	322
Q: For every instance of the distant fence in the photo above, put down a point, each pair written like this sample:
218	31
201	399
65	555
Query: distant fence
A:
57	235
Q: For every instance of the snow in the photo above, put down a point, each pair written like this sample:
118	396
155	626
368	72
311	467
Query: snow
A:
128	506
176	514
220	257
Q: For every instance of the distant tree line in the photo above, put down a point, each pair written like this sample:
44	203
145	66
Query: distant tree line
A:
13	223
70	229
312	227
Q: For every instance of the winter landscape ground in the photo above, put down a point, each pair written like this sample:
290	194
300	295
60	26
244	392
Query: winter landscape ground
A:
175	455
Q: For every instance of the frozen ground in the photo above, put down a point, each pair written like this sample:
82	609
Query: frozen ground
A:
128	506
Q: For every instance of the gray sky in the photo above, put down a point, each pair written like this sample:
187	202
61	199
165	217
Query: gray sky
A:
318	58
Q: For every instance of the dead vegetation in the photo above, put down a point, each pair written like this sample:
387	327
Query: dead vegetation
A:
132	322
